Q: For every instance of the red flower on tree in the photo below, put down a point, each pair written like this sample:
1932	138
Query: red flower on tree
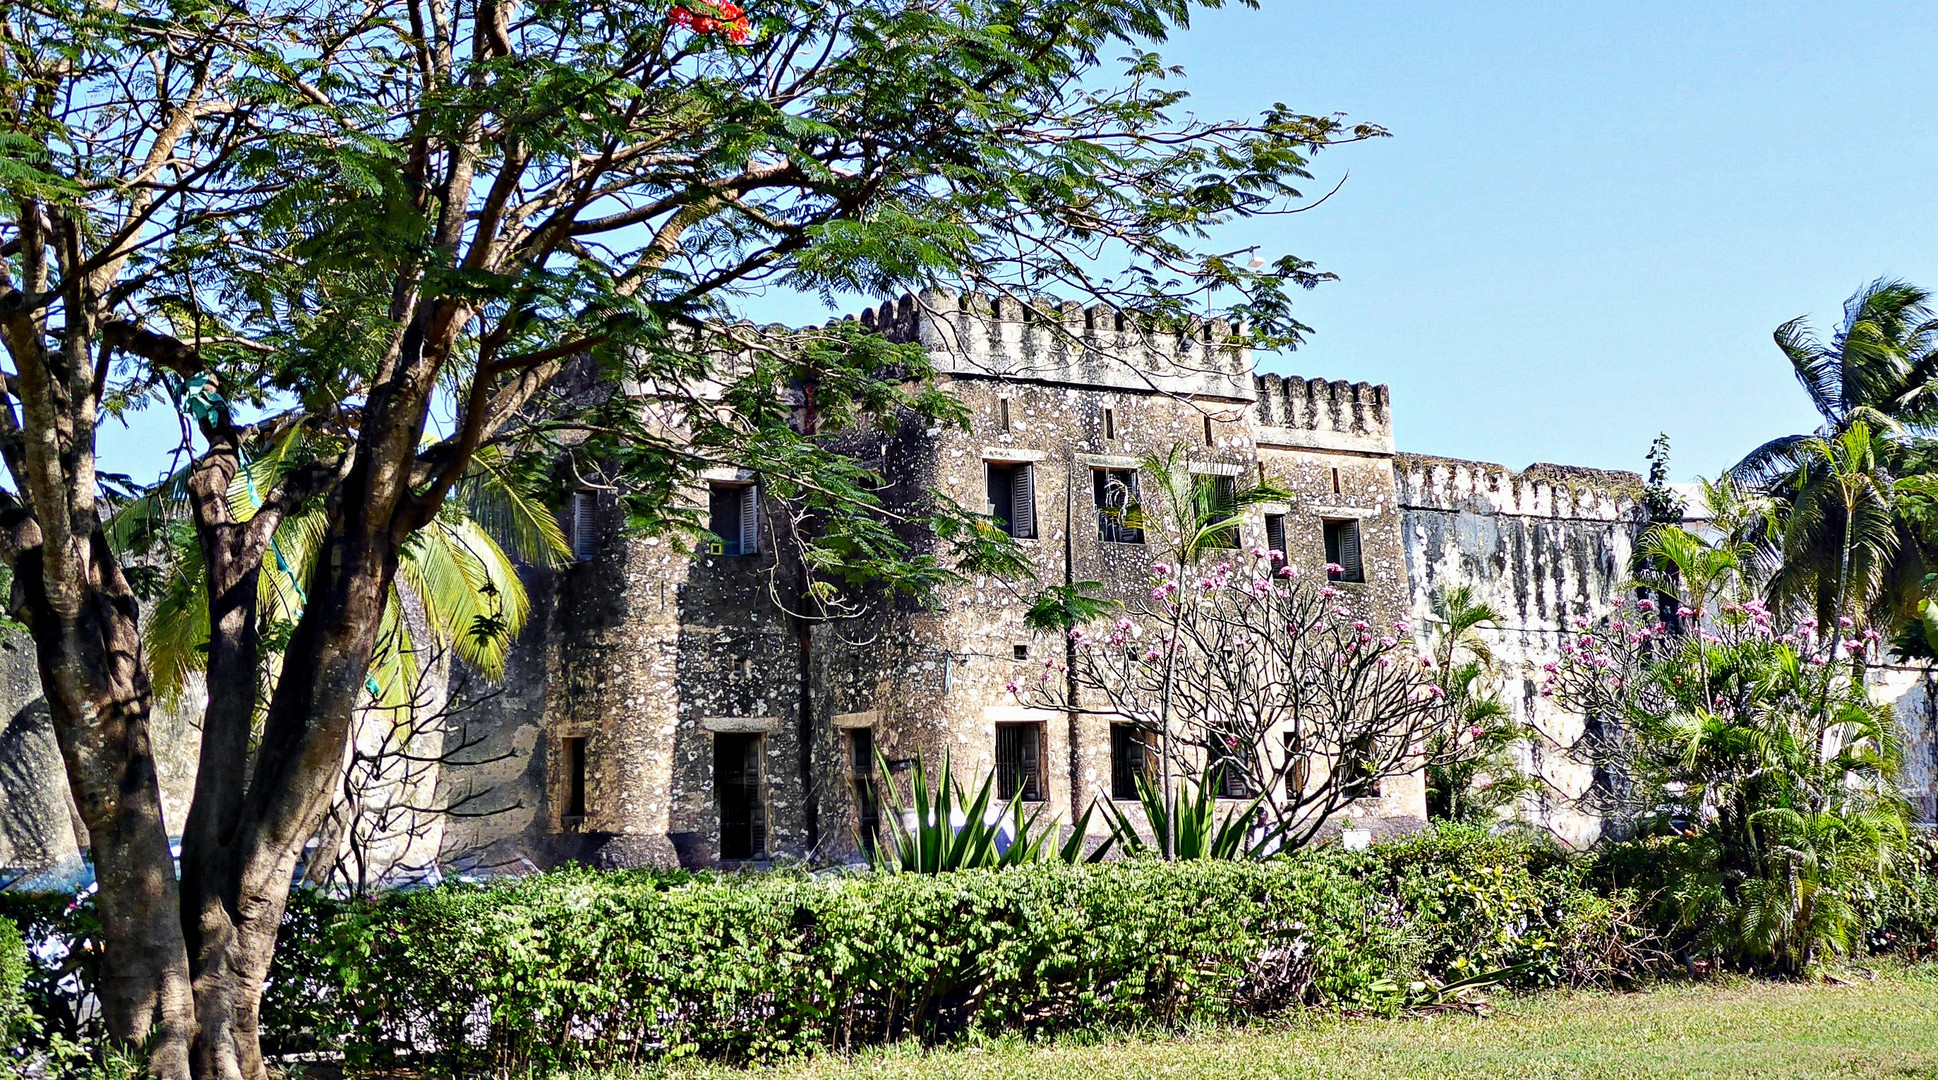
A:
724	19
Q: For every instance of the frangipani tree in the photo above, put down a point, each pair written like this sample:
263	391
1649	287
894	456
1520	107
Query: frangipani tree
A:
1266	674
1234	660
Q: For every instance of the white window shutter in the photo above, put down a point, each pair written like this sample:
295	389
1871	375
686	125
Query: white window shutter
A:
750	520
1349	551
1022	501
585	534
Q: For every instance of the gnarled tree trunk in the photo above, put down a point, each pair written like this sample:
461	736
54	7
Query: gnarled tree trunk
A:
96	684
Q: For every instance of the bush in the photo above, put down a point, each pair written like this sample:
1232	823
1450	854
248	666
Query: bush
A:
576	968
14	1013
62	964
1509	903
1902	916
581	969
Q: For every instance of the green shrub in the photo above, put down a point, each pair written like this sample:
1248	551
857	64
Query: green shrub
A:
577	968
1902	915
62	964
1478	902
14	1013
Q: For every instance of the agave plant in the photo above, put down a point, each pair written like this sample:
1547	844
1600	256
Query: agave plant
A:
952	833
1187	825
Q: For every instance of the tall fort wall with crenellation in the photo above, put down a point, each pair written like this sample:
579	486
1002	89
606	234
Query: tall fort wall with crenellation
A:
664	690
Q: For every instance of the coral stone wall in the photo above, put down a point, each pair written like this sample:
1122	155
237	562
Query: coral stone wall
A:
1546	547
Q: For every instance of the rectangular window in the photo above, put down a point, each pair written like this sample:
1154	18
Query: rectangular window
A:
868	812
1358	779
572	771
736	789
1012	497
1002	414
585	525
1110	424
1342	550
1298	768
1118	518
1208	439
1233	783
1275	533
735	518
1131	756
1019	761
1218	501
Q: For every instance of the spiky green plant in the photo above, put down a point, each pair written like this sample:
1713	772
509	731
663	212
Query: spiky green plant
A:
1188	824
953	833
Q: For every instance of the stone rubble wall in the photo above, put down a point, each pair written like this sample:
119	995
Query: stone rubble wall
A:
1545	546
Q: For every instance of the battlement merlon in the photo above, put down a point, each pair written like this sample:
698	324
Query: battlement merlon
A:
972	335
1319	414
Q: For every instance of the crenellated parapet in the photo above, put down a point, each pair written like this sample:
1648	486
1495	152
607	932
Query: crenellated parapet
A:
1063	342
1321	414
1561	492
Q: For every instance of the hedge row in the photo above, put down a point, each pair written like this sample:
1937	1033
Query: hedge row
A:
583	969
578	969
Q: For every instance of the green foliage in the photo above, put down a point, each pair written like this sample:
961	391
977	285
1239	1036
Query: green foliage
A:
952	833
1760	765
1506	903
1844	540
1187	824
1901	914
1061	608
580	969
1471	771
577	969
15	1016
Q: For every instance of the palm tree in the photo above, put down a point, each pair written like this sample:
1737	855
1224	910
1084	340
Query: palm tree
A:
1471	773
456	581
457	596
1875	384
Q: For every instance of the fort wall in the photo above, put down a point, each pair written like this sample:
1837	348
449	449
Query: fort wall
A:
1546	546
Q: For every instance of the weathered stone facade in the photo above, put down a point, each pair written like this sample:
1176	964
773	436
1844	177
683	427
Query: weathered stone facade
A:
668	704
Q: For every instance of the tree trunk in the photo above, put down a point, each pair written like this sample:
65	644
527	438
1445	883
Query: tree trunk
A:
304	747
95	679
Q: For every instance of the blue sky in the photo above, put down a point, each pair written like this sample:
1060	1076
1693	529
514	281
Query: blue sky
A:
1589	218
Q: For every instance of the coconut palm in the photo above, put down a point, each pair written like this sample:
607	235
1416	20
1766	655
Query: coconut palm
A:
1875	384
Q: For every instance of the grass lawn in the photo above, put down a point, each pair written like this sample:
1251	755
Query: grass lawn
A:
1888	1028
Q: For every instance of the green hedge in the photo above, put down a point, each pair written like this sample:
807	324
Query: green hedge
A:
14	1012
578	968
582	969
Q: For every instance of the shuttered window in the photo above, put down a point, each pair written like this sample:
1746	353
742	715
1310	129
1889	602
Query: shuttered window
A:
1019	761
585	525
1012	497
1275	532
735	518
1131	756
868	816
1342	550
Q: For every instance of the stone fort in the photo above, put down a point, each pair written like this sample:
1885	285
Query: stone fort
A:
666	704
